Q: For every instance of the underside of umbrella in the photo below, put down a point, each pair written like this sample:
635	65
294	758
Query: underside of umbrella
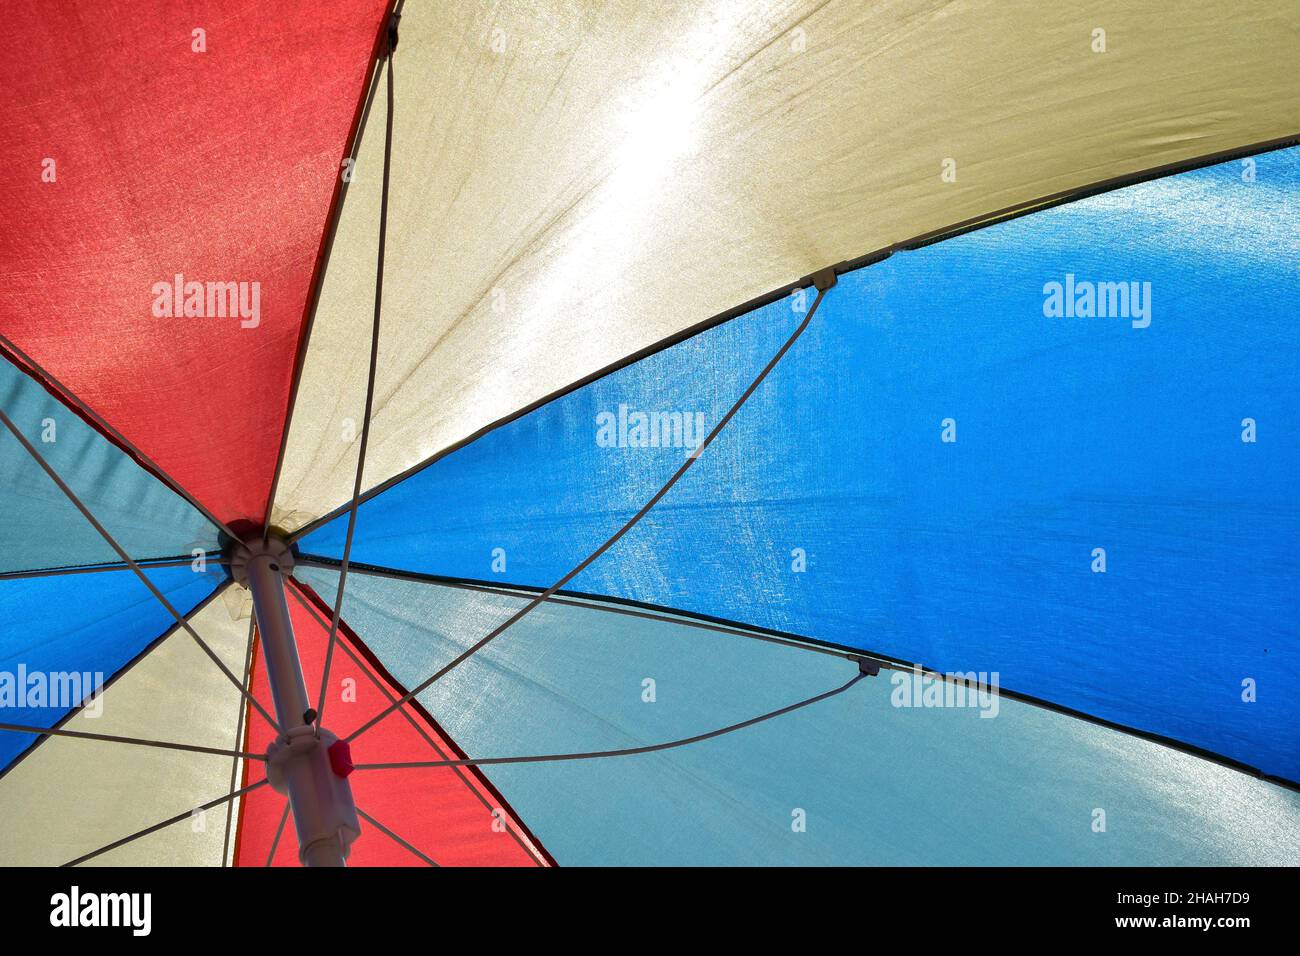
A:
520	434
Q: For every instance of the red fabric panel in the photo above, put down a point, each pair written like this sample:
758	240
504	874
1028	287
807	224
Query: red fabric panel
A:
217	165
446	812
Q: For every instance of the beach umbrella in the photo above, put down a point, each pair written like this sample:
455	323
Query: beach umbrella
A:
716	433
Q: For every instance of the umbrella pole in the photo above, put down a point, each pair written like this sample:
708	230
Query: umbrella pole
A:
309	766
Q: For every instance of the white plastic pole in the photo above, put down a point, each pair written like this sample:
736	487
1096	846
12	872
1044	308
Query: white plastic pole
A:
299	760
275	630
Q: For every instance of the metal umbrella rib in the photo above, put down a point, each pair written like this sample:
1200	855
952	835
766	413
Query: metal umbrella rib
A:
135	741
131	563
419	728
626	751
393	836
279	832
824	280
370	398
166	823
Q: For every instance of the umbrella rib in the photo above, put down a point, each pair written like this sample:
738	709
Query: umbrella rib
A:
92	568
393	836
275	844
323	260
524	845
137	741
110	681
667	616
370	400
628	526
624	752
239	733
120	439
162	599
166	823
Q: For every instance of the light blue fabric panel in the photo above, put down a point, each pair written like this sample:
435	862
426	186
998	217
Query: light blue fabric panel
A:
876	783
1072	434
91	623
40	528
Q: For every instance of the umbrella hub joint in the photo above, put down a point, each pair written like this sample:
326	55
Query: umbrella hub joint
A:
274	551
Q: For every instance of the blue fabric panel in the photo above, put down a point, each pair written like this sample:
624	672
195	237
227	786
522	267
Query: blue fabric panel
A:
40	528
84	624
876	783
1072	434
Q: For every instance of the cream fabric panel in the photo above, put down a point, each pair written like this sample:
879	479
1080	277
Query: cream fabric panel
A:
68	797
572	182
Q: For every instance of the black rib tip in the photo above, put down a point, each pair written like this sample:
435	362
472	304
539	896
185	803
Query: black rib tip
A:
392	31
824	278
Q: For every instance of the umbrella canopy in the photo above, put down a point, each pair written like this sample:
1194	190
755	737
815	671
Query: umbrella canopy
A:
714	433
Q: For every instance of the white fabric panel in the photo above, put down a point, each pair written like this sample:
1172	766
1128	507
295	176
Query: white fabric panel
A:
574	182
69	797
